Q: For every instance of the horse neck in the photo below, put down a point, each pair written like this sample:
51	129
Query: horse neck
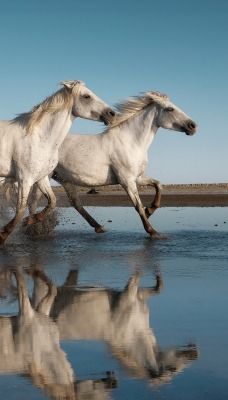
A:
55	127
142	127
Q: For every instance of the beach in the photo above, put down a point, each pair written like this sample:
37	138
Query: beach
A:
194	195
181	195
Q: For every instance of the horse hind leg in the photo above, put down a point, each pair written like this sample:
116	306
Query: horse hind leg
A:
76	203
71	191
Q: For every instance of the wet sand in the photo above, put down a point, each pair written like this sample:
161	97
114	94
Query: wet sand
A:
212	195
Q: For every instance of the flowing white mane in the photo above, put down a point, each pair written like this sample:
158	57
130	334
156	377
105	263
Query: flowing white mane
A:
129	107
61	99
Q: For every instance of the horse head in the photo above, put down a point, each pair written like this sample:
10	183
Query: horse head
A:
87	105
170	116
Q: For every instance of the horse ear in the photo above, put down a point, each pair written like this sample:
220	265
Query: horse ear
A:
70	84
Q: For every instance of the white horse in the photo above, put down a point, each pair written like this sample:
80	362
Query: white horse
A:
29	143
119	155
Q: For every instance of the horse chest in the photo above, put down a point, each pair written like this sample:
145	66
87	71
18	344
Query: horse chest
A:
131	159
34	158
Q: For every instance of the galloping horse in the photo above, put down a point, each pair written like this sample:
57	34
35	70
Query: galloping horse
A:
29	143
119	154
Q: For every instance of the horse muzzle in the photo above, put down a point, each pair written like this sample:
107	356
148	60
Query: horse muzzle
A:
190	128
108	117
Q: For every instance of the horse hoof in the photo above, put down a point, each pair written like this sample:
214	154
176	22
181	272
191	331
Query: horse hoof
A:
100	229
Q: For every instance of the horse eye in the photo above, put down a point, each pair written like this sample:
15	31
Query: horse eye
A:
86	96
169	109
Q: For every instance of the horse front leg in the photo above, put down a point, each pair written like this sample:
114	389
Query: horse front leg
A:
45	187
132	191
22	197
145	293
71	191
144	180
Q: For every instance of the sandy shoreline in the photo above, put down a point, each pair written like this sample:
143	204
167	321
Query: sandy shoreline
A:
213	195
201	195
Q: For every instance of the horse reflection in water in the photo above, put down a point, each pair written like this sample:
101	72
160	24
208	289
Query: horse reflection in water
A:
29	345
121	319
7	288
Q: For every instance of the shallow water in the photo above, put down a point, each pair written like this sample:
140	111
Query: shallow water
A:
111	313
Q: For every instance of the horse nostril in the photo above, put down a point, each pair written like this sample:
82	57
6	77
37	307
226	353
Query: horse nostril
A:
192	126
111	113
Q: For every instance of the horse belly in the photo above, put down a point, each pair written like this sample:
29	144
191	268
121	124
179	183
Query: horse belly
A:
81	320
87	175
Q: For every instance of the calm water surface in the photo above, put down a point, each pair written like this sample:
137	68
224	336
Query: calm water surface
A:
117	315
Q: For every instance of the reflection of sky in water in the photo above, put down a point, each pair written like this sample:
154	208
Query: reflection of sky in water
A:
192	308
165	219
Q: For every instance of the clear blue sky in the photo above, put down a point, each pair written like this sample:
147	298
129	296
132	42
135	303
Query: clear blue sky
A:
120	48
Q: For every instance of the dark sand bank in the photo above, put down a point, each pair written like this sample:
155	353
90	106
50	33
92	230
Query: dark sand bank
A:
213	195
195	195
